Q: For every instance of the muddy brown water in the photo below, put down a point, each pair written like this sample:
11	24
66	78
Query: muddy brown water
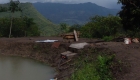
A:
18	68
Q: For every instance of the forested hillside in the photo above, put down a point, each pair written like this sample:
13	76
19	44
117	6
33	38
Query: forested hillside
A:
45	26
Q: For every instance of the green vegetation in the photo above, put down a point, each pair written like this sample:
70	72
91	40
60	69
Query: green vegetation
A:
106	28
94	66
97	64
64	27
130	15
76	27
108	38
20	27
88	72
103	67
109	27
13	7
3	9
100	26
46	28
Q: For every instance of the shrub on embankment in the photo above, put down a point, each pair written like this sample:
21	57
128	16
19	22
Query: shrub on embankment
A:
96	64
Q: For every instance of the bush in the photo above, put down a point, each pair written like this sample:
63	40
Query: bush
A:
95	66
108	38
131	33
100	26
103	64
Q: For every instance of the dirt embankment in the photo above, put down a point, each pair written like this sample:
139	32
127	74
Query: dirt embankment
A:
27	47
43	52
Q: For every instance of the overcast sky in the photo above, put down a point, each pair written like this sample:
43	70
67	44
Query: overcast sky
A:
105	3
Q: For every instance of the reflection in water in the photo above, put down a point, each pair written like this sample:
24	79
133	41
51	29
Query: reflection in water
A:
17	68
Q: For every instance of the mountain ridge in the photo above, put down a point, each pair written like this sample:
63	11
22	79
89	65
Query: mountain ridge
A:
72	13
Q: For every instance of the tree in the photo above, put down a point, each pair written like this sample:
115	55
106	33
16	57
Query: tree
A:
76	27
28	23
63	27
3	9
14	6
4	23
130	14
21	27
100	26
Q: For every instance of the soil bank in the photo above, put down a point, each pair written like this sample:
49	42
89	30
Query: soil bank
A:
43	52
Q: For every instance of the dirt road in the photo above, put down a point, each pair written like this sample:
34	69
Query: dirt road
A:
127	53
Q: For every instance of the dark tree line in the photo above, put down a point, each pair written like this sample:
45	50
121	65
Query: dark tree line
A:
17	27
130	14
22	27
3	9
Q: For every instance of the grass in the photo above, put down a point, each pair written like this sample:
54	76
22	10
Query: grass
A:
103	67
95	66
108	38
88	72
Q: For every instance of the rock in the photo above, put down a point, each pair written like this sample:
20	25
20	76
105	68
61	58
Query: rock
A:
78	45
68	53
135	40
56	45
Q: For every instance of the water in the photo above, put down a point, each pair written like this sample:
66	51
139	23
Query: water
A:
17	68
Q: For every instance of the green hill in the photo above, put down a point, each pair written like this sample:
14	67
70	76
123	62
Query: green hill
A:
47	28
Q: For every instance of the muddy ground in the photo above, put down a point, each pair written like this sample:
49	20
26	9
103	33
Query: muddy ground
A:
44	52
